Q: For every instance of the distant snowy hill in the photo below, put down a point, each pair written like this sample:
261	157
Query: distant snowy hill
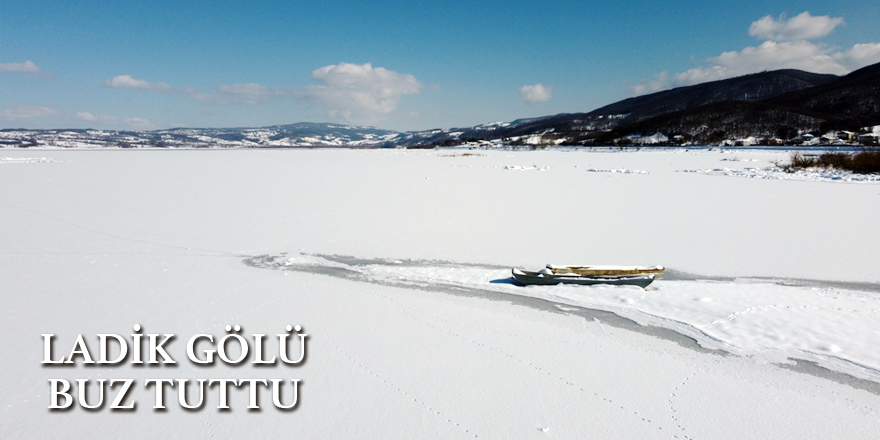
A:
300	135
292	135
779	104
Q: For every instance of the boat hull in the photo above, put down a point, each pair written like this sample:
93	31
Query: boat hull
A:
526	278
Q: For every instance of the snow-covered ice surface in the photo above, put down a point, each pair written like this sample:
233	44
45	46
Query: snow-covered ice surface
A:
420	333
525	168
621	171
810	174
26	160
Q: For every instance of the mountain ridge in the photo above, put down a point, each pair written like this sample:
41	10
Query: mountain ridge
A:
772	104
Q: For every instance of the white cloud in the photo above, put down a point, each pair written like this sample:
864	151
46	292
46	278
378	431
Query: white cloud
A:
358	92
536	93
699	75
250	94
25	67
127	82
660	82
28	111
800	27
351	92
770	55
86	116
138	123
859	56
786	48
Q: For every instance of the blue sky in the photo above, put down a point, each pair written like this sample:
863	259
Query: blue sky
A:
402	65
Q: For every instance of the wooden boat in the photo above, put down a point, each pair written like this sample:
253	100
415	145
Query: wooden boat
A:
590	271
547	277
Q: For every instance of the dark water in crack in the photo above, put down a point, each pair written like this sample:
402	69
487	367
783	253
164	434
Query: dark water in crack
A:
675	275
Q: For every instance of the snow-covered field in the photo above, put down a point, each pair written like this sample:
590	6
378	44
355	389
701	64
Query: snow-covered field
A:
396	263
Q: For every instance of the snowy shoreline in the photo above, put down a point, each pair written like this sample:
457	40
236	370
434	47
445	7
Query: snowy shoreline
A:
775	321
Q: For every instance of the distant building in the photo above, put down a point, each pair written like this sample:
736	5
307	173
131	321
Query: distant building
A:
869	139
745	142
846	135
656	138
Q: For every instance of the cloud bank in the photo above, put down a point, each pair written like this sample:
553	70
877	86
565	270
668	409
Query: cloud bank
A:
350	92
25	67
358	92
127	82
28	111
139	123
231	94
86	116
787	46
800	27
225	94
536	93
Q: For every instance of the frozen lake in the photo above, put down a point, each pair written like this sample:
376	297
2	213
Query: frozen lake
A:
396	264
